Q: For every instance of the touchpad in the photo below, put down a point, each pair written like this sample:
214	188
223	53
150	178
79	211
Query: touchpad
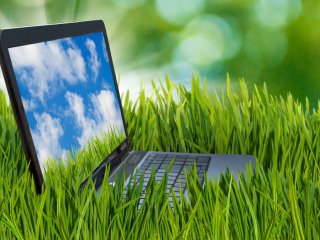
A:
234	162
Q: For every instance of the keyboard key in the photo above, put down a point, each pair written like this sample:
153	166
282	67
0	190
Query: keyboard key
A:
167	160
172	178
175	168
160	174
189	162
203	159
188	169
143	167
156	162
182	177
176	188
177	194
154	165
183	183
203	168
163	166
178	163
147	175
170	182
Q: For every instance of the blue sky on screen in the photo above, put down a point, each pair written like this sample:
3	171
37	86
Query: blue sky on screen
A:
67	91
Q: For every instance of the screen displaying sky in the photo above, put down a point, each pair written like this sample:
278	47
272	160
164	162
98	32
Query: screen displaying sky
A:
67	91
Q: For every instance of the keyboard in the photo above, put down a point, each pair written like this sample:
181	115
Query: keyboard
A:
160	161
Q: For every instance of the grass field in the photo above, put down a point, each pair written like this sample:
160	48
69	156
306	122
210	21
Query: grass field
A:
280	201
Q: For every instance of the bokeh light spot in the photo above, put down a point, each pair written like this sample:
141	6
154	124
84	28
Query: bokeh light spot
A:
128	3
206	40
200	50
277	13
179	11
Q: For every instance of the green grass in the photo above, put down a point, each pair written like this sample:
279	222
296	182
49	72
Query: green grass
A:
280	201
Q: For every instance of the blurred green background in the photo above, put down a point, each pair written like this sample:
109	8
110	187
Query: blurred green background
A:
272	41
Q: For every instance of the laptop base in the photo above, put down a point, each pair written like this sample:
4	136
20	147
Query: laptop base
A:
143	163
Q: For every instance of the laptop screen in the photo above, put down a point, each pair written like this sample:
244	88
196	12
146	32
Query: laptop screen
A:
68	94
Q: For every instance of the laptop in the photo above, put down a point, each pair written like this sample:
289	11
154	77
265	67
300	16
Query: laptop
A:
64	94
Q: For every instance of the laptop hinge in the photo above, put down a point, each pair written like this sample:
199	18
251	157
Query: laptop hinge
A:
114	160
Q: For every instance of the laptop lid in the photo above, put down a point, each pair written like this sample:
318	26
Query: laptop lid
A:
63	91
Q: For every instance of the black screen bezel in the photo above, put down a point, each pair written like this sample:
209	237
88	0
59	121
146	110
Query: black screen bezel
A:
29	35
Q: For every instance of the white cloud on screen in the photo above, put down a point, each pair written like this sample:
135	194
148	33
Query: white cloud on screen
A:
105	54
43	67
46	137
28	105
93	59
105	114
77	109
